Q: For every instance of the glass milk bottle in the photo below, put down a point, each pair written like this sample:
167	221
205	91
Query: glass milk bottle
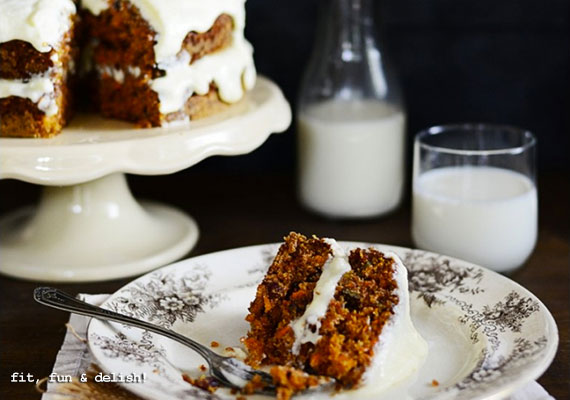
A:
350	131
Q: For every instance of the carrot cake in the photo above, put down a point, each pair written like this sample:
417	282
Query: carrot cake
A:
333	313
37	61
158	61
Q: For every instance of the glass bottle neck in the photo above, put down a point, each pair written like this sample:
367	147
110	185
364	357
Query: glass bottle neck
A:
352	22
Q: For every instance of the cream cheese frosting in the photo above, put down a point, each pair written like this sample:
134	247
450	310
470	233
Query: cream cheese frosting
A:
42	23
39	89
307	326
231	69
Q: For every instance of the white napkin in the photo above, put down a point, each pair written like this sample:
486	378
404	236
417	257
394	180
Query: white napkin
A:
74	358
532	391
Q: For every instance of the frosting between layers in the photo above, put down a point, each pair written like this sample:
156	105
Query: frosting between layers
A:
42	23
39	89
307	326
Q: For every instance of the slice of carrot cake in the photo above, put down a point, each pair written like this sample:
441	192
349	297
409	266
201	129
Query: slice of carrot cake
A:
158	61
336	314
37	60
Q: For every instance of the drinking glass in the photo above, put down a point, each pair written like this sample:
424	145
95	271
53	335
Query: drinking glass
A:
474	194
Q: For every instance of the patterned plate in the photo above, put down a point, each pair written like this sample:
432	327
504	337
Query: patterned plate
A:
487	335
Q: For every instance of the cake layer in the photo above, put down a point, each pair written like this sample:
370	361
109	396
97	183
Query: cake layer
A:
21	60
199	106
142	108
219	36
333	314
401	350
123	38
282	297
21	117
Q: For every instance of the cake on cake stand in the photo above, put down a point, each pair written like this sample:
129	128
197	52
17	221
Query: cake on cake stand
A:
88	226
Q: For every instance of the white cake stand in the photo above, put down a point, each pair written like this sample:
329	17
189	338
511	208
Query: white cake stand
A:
88	226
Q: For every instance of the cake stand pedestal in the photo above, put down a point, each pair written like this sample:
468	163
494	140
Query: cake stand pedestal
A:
88	226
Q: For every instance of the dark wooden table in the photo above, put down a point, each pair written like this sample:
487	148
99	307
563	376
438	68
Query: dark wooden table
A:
237	211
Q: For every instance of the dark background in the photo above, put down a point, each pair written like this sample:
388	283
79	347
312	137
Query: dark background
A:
501	61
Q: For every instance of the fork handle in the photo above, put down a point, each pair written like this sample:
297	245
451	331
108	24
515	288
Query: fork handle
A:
58	299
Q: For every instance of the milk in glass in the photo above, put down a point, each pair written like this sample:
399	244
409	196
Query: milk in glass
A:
482	214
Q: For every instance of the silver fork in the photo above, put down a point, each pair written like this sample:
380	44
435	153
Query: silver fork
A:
228	371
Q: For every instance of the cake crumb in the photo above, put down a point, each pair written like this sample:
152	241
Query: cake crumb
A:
214	344
252	386
288	381
204	382
435	383
203	368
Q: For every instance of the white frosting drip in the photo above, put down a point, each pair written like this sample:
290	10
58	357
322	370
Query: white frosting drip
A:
42	23
231	69
400	350
39	89
307	326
